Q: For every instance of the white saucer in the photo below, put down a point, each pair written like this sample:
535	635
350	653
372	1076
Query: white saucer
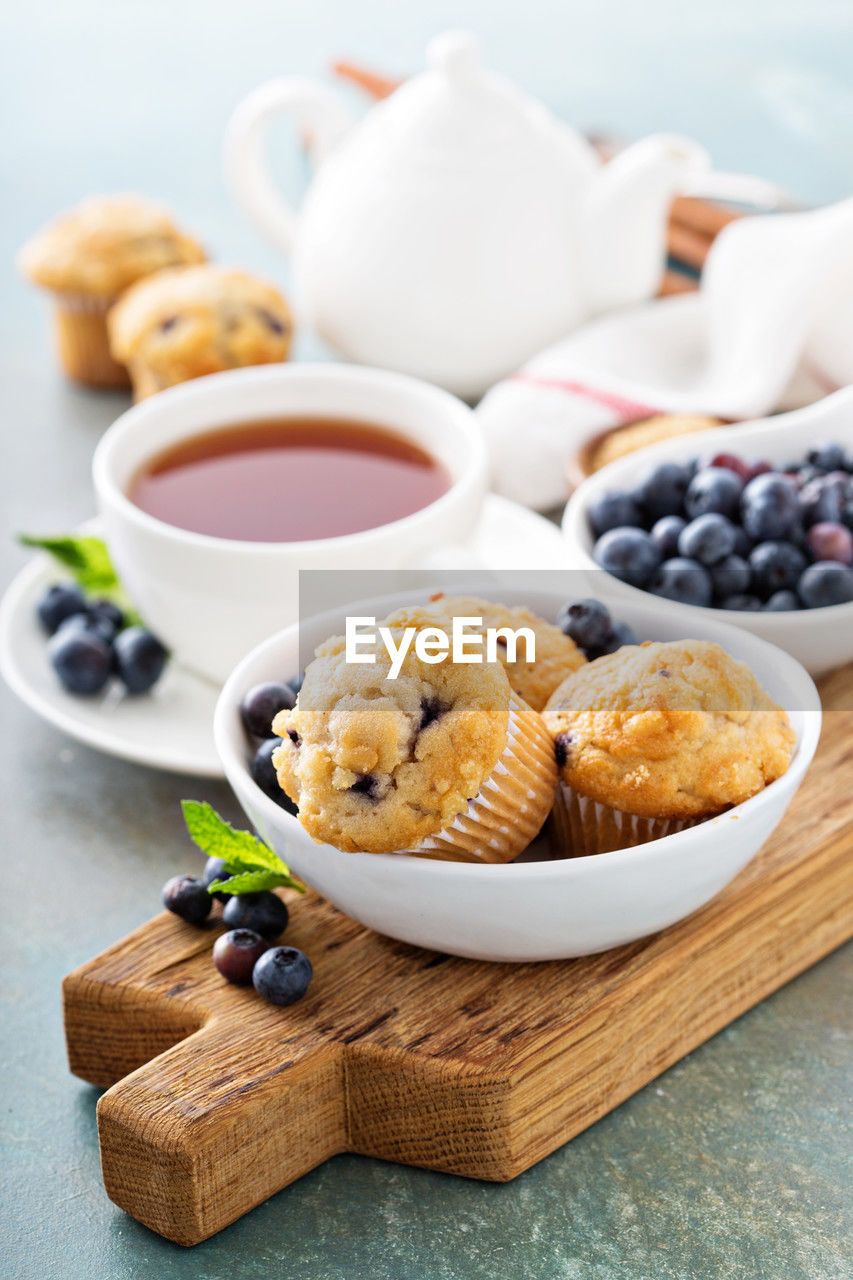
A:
172	727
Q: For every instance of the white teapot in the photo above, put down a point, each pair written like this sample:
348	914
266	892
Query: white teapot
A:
459	227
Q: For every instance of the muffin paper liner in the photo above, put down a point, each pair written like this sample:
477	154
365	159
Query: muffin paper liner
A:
580	826
511	806
83	342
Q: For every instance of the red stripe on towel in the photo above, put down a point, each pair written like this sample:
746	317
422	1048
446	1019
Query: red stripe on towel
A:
628	410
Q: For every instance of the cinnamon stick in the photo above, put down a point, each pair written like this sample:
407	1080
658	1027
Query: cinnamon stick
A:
676	282
701	216
375	85
688	246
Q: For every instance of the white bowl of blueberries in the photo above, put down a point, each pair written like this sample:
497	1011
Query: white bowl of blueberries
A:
751	524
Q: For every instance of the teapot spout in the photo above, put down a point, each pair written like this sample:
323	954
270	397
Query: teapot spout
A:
625	218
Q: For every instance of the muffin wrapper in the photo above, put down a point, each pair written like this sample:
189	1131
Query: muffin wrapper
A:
579	826
83	341
511	806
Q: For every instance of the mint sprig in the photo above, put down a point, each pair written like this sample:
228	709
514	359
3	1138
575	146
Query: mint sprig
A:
251	865
88	561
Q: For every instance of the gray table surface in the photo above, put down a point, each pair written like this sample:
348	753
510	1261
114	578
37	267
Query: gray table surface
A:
733	1163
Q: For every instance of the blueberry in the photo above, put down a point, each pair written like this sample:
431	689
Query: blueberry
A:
830	457
432	709
684	580
187	897
629	554
110	614
662	491
665	534
708	539
91	624
296	683
282	975
731	577
743	542
587	622
366	784
822	501
236	953
713	489
262	771
262	704
214	869
59	602
614	509
770	507
264	912
825	584
140	659
82	660
782	602
742	602
619	634
828	541
731	462
776	566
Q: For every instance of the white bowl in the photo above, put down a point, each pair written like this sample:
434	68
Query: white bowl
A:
819	638
536	910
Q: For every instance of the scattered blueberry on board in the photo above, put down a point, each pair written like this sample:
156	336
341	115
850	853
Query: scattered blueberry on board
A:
187	897
241	871
733	534
236	953
282	975
263	913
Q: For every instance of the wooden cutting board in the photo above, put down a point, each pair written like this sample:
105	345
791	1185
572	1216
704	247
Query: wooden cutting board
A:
218	1099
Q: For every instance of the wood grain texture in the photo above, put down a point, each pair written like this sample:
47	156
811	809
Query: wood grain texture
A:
218	1099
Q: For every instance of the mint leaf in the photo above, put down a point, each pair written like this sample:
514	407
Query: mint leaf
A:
88	561
253	882
250	863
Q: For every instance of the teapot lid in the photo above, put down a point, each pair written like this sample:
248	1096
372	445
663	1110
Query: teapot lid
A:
459	112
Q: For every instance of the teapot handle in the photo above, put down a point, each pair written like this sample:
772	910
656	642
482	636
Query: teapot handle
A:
247	174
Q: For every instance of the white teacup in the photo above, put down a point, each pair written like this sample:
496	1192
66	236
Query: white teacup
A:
211	599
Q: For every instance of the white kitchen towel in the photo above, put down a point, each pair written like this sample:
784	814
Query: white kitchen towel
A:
730	350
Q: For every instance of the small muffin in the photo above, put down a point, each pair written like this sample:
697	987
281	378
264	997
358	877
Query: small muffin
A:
444	761
557	655
197	320
87	257
638	435
657	736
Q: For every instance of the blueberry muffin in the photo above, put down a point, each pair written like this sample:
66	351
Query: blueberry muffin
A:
444	761
185	323
86	258
557	655
658	736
